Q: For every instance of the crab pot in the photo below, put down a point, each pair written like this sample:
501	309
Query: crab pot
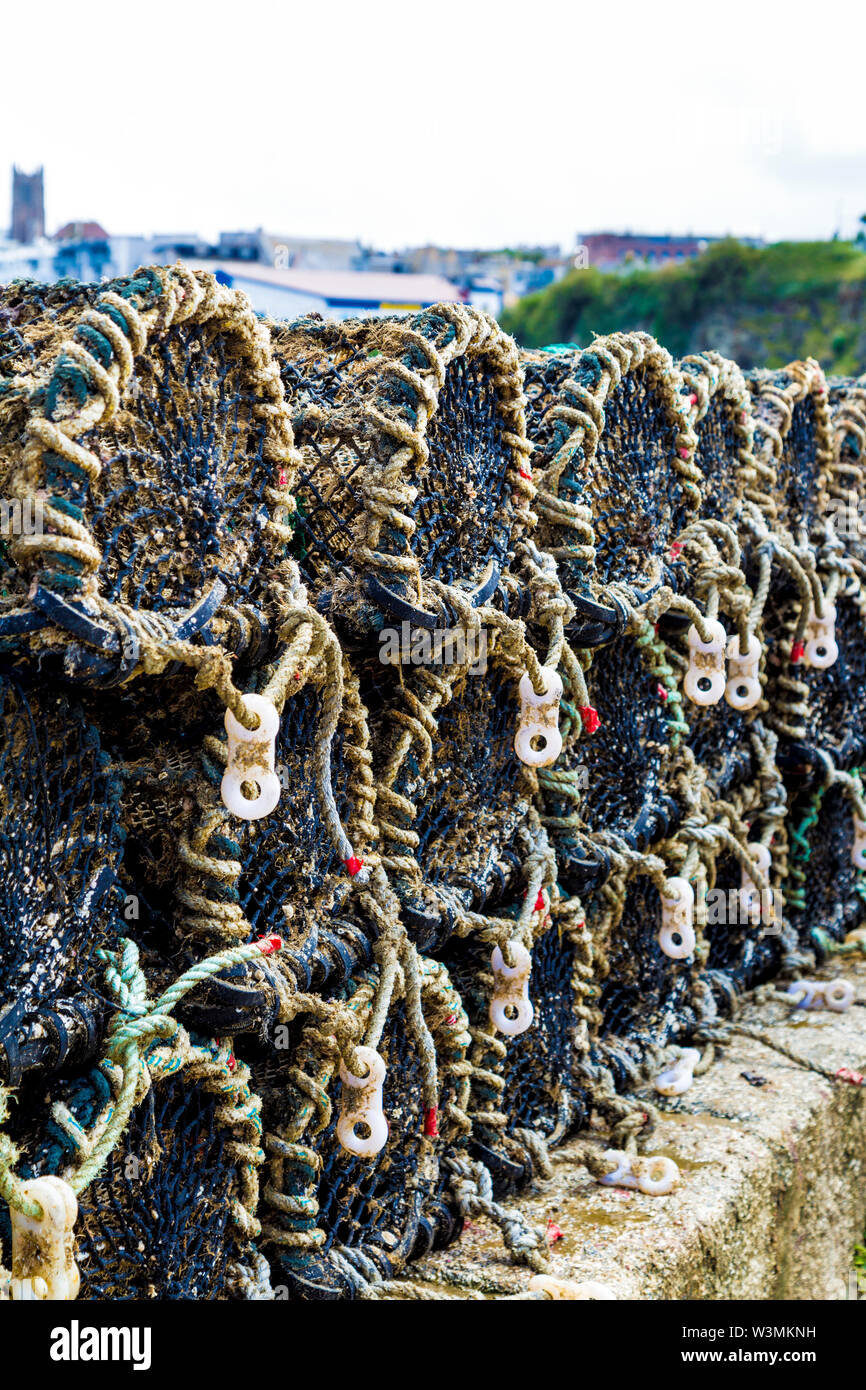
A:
793	435
611	429
325	1207
143	433
413	459
449	814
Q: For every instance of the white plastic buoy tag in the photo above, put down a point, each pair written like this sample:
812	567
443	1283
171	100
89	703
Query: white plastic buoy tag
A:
655	1176
836	995
511	992
569	1288
704	682
757	906
538	742
677	935
43	1248
251	759
858	849
821	650
743	688
362	1128
678	1077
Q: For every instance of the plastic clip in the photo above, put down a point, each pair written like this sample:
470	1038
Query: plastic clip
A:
836	995
361	1107
43	1248
655	1176
678	1077
743	688
511	991
538	742
704	683
251	758
820	650
678	915
757	905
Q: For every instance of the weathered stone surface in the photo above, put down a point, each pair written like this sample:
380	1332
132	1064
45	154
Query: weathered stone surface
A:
772	1197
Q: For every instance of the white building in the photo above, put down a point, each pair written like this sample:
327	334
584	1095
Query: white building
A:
335	294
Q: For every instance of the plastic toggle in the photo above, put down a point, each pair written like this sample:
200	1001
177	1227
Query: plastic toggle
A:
511	991
251	759
361	1107
538	742
820	650
655	1176
678	1077
858	849
743	688
569	1288
43	1248
757	906
837	995
704	683
678	915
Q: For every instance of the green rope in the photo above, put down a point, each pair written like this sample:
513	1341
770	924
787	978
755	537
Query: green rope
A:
132	1032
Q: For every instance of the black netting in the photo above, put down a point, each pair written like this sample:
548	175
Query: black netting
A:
540	1091
60	846
739	954
828	892
621	767
645	997
631	483
717	456
157	1223
470	798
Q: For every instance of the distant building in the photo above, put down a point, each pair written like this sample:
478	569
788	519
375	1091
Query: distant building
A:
81	231
28	206
310	253
614	250
335	294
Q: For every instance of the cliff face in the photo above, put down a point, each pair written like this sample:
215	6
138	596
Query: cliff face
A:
762	307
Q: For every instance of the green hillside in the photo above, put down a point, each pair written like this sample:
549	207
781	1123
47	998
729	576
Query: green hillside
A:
762	307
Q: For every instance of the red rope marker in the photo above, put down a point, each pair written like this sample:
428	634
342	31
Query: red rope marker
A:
590	718
846	1074
798	651
676	550
662	693
540	904
431	1127
268	944
553	1232
354	865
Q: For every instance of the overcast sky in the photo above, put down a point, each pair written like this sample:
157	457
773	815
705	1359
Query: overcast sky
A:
454	122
